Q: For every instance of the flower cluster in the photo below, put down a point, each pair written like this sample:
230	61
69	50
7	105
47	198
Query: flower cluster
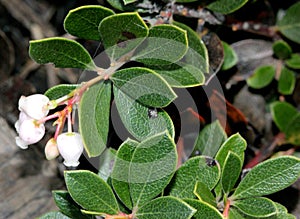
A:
31	129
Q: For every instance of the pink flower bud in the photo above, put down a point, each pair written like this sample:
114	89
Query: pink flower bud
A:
34	105
51	150
70	147
29	133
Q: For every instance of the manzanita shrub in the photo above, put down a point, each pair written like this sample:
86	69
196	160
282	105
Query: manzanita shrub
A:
141	178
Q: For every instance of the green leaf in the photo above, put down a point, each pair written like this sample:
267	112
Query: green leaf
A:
230	57
204	194
261	77
60	90
122	33
83	21
185	1
210	139
54	215
287	81
138	120
200	168
226	6
67	206
120	173
256	207
293	130
165	44
289	25
119	4
126	2
151	168
94	110
283	114
294	61
91	192
62	52
106	161
144	85
165	207
235	214
282	50
204	210
231	171
268	177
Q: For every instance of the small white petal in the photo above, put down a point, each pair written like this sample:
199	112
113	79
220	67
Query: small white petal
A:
22	144
30	132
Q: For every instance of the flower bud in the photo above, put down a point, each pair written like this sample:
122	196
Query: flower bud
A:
29	133
34	105
51	150
70	147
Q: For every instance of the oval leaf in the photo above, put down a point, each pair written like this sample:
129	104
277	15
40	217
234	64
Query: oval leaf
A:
261	77
294	61
165	207
204	210
231	171
289	25
133	114
202	169
60	90
91	192
84	21
120	173
62	52
204	194
283	113
121	33
151	168
268	177
287	81
281	49
94	110
293	130
165	44
226	6
256	207
144	85
230	57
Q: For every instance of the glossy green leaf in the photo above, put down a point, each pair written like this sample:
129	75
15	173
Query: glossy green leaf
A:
94	110
119	4
67	205
165	44
258	207
230	57
281	49
106	162
91	192
204	210
231	171
283	113
151	168
60	90
201	168
268	177
261	77
54	215
62	52
294	61
121	33
165	207
210	139
138	119
226	6
144	85
289	25
293	130
287	81
83	21
120	173
204	194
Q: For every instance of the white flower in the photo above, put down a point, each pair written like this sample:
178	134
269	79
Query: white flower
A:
51	150
34	105
30	132
70	147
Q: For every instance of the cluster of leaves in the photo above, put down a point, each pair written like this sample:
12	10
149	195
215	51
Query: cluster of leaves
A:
143	182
